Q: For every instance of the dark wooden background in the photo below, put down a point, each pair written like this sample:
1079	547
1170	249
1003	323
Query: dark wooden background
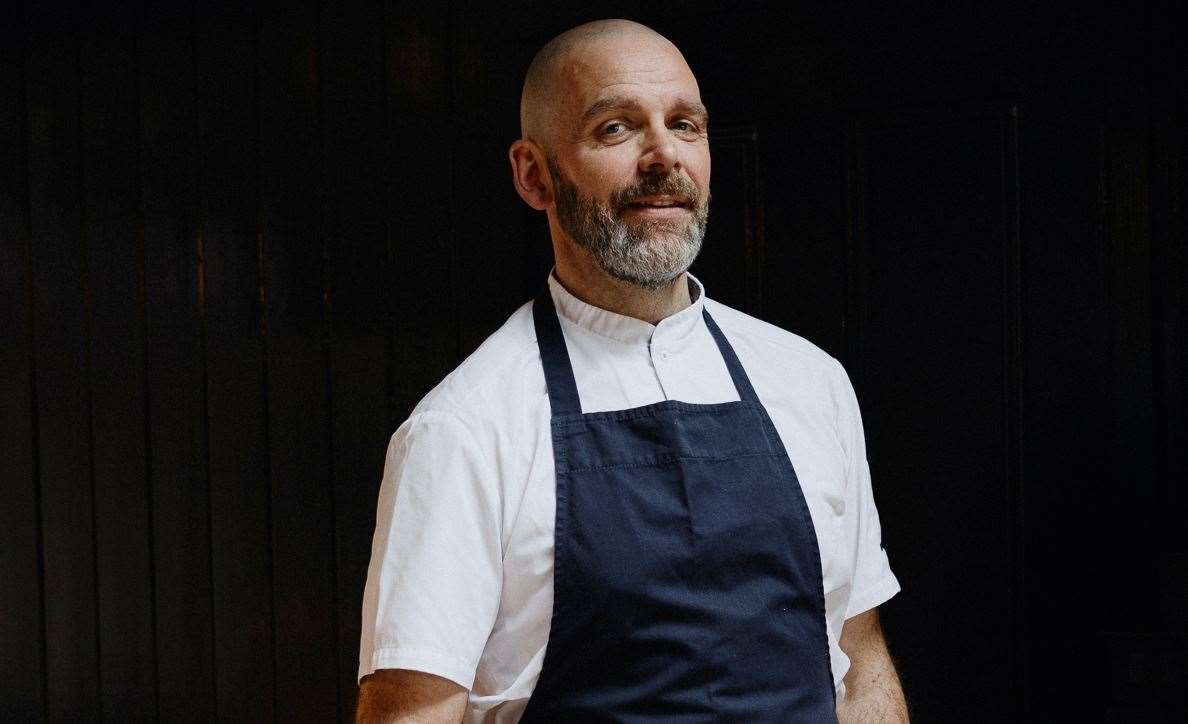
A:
238	243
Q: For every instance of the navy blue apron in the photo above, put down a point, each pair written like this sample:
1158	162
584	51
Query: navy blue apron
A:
687	580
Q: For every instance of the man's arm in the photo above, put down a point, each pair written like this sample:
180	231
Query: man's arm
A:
873	692
399	696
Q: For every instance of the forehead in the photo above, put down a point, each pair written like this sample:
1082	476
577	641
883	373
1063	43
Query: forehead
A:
648	70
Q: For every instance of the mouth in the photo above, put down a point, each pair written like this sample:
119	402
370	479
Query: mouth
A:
664	205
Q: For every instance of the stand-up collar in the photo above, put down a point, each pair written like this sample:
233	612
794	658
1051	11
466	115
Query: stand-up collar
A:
671	330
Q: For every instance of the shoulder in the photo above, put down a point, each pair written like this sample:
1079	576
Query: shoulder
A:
787	369
767	341
472	439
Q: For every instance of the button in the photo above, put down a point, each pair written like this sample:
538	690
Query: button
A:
664	354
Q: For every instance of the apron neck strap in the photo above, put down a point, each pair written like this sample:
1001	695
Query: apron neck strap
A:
558	370
742	383
554	357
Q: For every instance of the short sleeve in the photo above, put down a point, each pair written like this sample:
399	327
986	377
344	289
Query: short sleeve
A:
873	582
433	584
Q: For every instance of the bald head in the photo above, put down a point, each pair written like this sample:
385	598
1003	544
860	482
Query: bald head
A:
551	76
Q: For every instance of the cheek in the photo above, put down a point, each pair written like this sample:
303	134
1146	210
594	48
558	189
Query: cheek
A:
607	173
607	182
607	162
700	169
695	159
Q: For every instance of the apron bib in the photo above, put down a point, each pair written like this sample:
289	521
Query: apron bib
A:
687	579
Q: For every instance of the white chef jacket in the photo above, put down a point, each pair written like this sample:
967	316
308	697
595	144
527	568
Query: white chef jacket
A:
460	582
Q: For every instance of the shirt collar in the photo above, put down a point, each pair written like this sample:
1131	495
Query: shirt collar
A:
629	330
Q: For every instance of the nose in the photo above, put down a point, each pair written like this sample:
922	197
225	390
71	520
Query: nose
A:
660	153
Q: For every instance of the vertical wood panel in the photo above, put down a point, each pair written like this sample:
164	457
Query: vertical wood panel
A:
1128	260
1065	442
803	168
425	324
355	227
169	168
1168	126
1011	268
492	248
731	259
240	503
112	232
60	359
298	401
1169	336
933	258
772	68
21	658
1124	631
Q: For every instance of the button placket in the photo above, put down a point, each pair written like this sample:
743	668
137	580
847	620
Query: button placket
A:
660	357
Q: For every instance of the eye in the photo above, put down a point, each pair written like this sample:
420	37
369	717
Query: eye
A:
684	126
613	128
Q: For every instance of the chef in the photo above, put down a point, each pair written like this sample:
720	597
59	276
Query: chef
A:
632	503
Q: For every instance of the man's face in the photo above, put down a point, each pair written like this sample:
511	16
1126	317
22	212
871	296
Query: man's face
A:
631	164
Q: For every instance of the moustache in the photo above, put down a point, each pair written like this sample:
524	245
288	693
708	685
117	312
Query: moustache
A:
678	185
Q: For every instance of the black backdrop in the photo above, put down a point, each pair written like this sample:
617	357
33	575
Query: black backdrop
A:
240	242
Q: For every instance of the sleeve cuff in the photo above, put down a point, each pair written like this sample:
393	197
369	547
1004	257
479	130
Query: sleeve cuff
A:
872	596
430	662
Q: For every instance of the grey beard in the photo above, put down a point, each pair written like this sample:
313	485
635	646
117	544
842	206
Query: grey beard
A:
649	253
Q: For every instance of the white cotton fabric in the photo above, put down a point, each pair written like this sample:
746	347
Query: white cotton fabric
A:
460	582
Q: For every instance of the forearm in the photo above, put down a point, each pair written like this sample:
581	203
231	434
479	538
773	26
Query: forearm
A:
395	696
373	712
873	692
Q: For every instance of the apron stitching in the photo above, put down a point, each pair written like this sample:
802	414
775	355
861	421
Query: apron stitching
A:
669	460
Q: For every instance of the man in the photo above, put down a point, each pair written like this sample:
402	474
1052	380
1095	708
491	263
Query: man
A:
631	503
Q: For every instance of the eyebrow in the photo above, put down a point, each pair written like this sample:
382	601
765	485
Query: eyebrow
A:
614	103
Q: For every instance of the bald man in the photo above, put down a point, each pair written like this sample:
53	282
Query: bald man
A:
632	503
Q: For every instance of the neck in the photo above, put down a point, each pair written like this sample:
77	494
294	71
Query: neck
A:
584	279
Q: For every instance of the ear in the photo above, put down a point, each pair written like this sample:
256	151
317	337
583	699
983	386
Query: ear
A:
529	174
